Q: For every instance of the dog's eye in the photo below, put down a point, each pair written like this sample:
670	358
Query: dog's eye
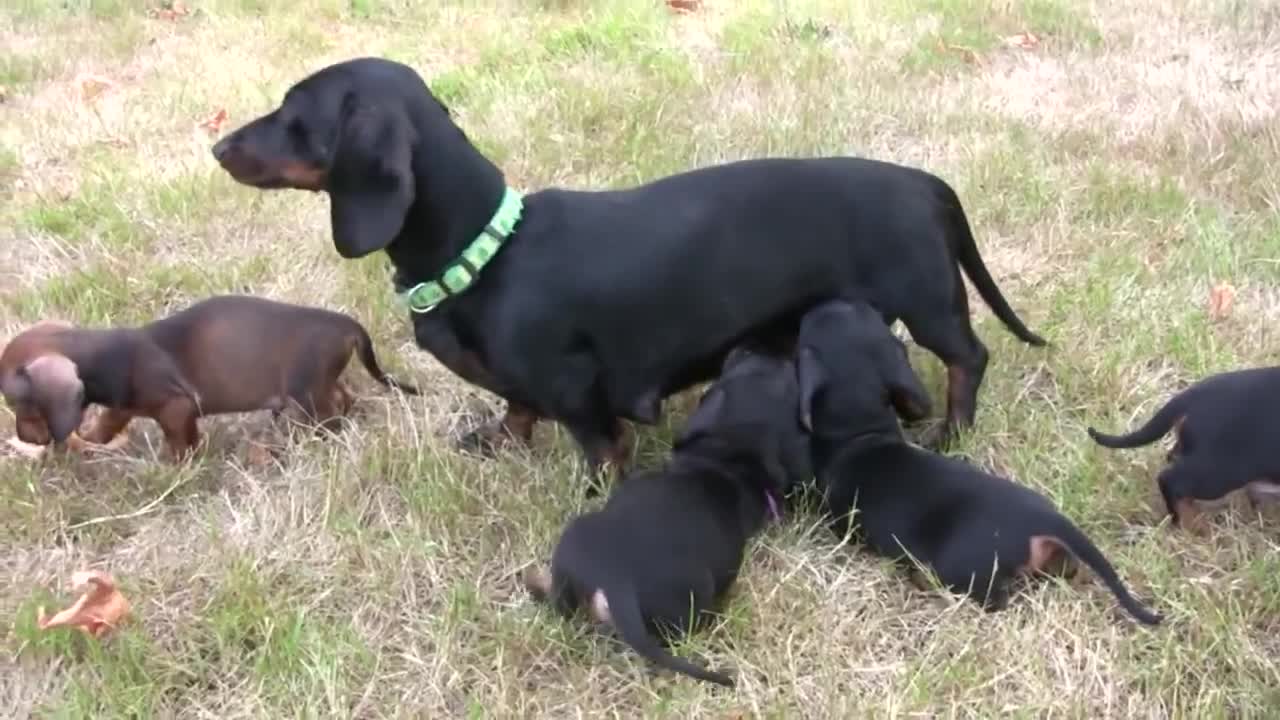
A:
297	133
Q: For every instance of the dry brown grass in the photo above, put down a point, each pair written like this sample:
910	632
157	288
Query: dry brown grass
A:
1114	174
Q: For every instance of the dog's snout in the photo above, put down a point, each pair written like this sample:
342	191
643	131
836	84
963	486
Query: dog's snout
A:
221	147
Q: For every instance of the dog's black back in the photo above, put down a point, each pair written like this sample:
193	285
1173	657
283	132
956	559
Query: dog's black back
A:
601	303
668	543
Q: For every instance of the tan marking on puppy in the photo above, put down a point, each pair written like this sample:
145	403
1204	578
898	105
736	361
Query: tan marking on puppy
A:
920	579
1044	554
598	608
538	582
1261	492
1176	450
1189	516
303	176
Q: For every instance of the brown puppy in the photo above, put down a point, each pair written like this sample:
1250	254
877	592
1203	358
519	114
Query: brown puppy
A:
227	354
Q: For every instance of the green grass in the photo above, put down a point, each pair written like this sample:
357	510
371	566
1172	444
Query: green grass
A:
373	574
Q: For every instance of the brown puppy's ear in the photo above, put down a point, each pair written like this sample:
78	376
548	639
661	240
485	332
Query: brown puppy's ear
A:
812	377
906	391
55	388
371	181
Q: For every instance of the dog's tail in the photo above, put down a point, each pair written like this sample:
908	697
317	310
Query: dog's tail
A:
1079	545
624	609
364	348
966	249
1157	427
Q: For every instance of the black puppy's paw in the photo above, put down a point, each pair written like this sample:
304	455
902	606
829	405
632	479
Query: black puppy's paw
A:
934	436
479	442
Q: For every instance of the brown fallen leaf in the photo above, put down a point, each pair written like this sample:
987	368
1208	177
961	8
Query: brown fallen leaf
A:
1221	299
100	608
684	6
213	124
91	86
171	11
969	55
1024	40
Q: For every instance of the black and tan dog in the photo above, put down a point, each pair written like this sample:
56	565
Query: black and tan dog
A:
669	543
1227	437
227	354
591	307
975	530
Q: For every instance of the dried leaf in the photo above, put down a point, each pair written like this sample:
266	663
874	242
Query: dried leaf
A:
213	124
1221	298
684	6
171	11
969	55
100	608
91	86
1024	40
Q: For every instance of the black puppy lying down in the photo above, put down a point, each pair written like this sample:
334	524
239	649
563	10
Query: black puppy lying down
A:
668	544
1227	428
977	531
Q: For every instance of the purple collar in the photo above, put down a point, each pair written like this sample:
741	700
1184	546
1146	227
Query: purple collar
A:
774	512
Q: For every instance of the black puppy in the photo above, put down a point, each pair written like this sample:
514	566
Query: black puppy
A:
668	544
977	531
1227	431
590	307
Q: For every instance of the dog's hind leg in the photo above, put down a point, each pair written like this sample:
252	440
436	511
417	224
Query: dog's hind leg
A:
1181	484
969	565
952	339
602	447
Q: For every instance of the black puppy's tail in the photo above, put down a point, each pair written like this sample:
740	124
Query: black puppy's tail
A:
1075	541
966	249
624	608
1157	427
364	348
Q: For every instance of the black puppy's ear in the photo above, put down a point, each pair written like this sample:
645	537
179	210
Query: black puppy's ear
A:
706	415
812	376
371	182
906	391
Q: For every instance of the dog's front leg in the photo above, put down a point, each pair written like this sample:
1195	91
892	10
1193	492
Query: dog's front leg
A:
435	336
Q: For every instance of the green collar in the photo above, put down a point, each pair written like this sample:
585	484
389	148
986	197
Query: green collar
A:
459	274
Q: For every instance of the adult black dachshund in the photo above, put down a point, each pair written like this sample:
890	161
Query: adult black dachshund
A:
589	307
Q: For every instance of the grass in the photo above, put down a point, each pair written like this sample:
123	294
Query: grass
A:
1114	174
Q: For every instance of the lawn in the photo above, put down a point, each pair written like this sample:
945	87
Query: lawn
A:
1117	163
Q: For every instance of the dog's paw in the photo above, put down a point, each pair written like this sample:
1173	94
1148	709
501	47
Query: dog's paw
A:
483	442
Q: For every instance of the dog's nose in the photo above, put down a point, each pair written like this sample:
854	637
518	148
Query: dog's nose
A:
220	148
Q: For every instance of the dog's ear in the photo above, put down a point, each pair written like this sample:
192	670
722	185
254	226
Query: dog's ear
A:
55	388
906	392
707	414
812	376
371	181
